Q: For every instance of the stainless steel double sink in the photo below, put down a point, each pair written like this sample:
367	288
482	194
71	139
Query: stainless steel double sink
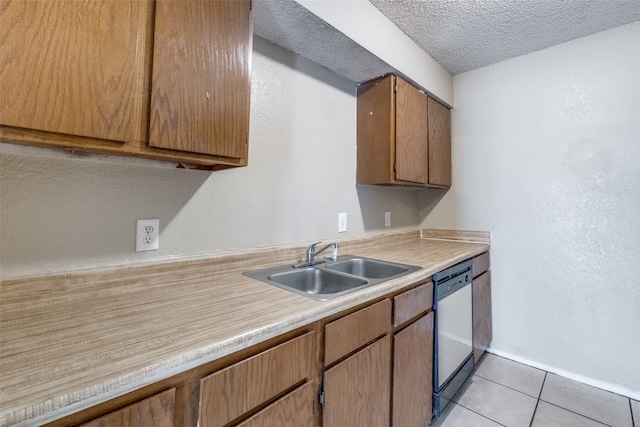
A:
330	279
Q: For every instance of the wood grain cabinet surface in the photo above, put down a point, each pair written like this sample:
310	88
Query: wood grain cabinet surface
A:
482	322
347	334
404	136
411	303
154	411
236	390
73	67
295	409
413	374
358	389
166	79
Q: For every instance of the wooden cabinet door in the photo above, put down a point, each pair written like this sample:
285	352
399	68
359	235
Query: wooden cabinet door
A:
201	83
155	411
357	389
482	324
295	409
413	374
412	130
74	67
376	131
439	144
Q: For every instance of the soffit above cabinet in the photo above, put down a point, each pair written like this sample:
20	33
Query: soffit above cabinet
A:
293	25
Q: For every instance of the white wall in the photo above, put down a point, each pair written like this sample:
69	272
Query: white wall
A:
61	212
546	156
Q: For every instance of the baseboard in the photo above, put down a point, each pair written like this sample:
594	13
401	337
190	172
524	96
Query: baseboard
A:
613	388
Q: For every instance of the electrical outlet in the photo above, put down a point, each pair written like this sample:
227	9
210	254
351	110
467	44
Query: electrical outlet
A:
147	235
387	219
342	222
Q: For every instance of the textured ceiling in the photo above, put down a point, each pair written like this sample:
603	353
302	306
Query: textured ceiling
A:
466	34
290	25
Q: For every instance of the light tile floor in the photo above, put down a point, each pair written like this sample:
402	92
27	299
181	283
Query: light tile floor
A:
506	393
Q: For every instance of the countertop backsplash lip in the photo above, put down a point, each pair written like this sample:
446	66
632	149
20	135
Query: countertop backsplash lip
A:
70	323
456	235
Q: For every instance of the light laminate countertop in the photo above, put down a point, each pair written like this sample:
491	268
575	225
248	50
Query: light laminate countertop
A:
70	341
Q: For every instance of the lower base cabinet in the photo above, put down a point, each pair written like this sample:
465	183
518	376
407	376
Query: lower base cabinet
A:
482	323
357	389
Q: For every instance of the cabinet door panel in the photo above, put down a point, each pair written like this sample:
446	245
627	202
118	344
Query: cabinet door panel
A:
482	324
233	391
357	389
412	156
201	83
74	67
413	374
294	409
155	411
376	135
439	144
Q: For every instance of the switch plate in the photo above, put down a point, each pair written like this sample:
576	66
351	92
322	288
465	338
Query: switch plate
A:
342	222
387	219
147	235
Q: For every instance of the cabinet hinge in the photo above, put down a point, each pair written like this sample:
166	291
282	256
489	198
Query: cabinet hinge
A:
321	398
395	88
394	167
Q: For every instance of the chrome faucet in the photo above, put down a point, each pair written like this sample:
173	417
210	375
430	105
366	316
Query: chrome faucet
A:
311	251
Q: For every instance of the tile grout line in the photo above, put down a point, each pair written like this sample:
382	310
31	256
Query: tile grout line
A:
558	406
538	399
510	388
483	416
577	413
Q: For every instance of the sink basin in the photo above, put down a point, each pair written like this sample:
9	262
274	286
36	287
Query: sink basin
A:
331	279
317	281
368	268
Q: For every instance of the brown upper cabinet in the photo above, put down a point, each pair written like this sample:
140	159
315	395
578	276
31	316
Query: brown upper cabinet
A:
404	136
166	79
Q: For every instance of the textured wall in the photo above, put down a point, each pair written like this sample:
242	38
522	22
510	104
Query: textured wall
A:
61	212
546	155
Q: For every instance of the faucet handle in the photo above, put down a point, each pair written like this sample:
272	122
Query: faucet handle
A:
334	251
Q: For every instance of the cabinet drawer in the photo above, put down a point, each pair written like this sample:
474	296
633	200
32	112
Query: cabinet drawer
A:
480	264
233	391
349	333
294	409
411	303
154	411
